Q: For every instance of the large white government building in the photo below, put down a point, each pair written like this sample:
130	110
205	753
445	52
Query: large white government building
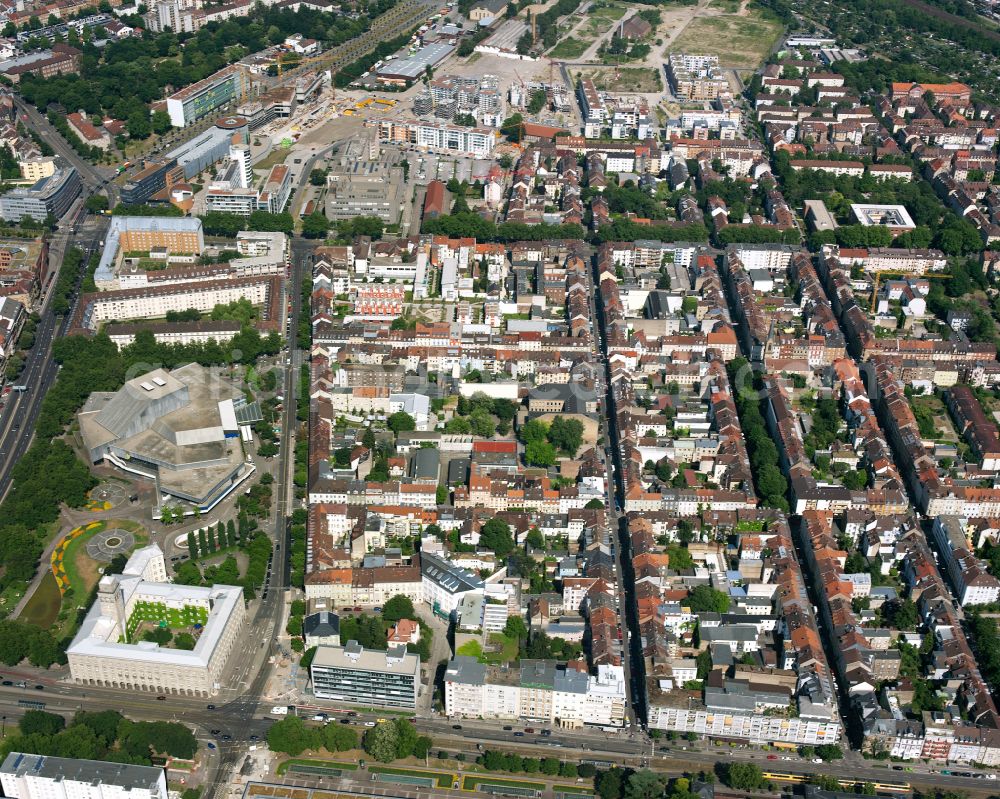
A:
26	776
104	653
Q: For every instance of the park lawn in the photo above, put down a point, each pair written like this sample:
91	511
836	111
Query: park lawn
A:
83	571
577	790
81	581
331	764
443	779
471	782
569	48
739	42
42	609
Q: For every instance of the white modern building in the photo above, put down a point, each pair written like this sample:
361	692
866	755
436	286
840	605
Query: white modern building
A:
444	584
354	674
109	650
27	776
439	136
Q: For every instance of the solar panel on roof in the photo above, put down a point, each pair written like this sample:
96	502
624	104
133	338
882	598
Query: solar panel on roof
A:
147	386
159	381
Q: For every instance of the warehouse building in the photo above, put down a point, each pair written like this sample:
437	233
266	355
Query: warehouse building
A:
404	71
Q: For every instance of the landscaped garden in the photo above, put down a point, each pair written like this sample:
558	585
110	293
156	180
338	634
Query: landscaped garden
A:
177	628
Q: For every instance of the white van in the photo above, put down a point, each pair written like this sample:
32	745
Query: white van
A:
279	710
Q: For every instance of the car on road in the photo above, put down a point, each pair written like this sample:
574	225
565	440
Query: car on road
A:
817	760
529	729
456	726
518	734
508	728
546	732
161	699
7	682
254	737
210	707
216	732
352	712
211	745
227	737
369	724
345	721
772	757
357	609
897	768
39	687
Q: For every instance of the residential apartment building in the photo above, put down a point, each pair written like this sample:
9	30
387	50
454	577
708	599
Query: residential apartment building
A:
27	776
438	136
174	332
536	690
696	77
153	302
362	676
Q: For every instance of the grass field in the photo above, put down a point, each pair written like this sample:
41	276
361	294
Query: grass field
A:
330	764
507	653
739	42
569	48
626	79
43	606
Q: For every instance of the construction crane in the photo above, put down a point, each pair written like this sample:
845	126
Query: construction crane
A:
889	273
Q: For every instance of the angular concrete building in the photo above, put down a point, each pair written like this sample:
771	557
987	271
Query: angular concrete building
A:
176	428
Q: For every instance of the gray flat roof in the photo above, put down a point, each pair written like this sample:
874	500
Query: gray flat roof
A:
92	771
354	656
416	65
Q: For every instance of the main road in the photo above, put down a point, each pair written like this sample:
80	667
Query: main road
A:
19	415
94	178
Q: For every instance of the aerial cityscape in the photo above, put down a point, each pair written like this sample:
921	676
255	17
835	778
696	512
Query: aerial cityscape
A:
573	399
